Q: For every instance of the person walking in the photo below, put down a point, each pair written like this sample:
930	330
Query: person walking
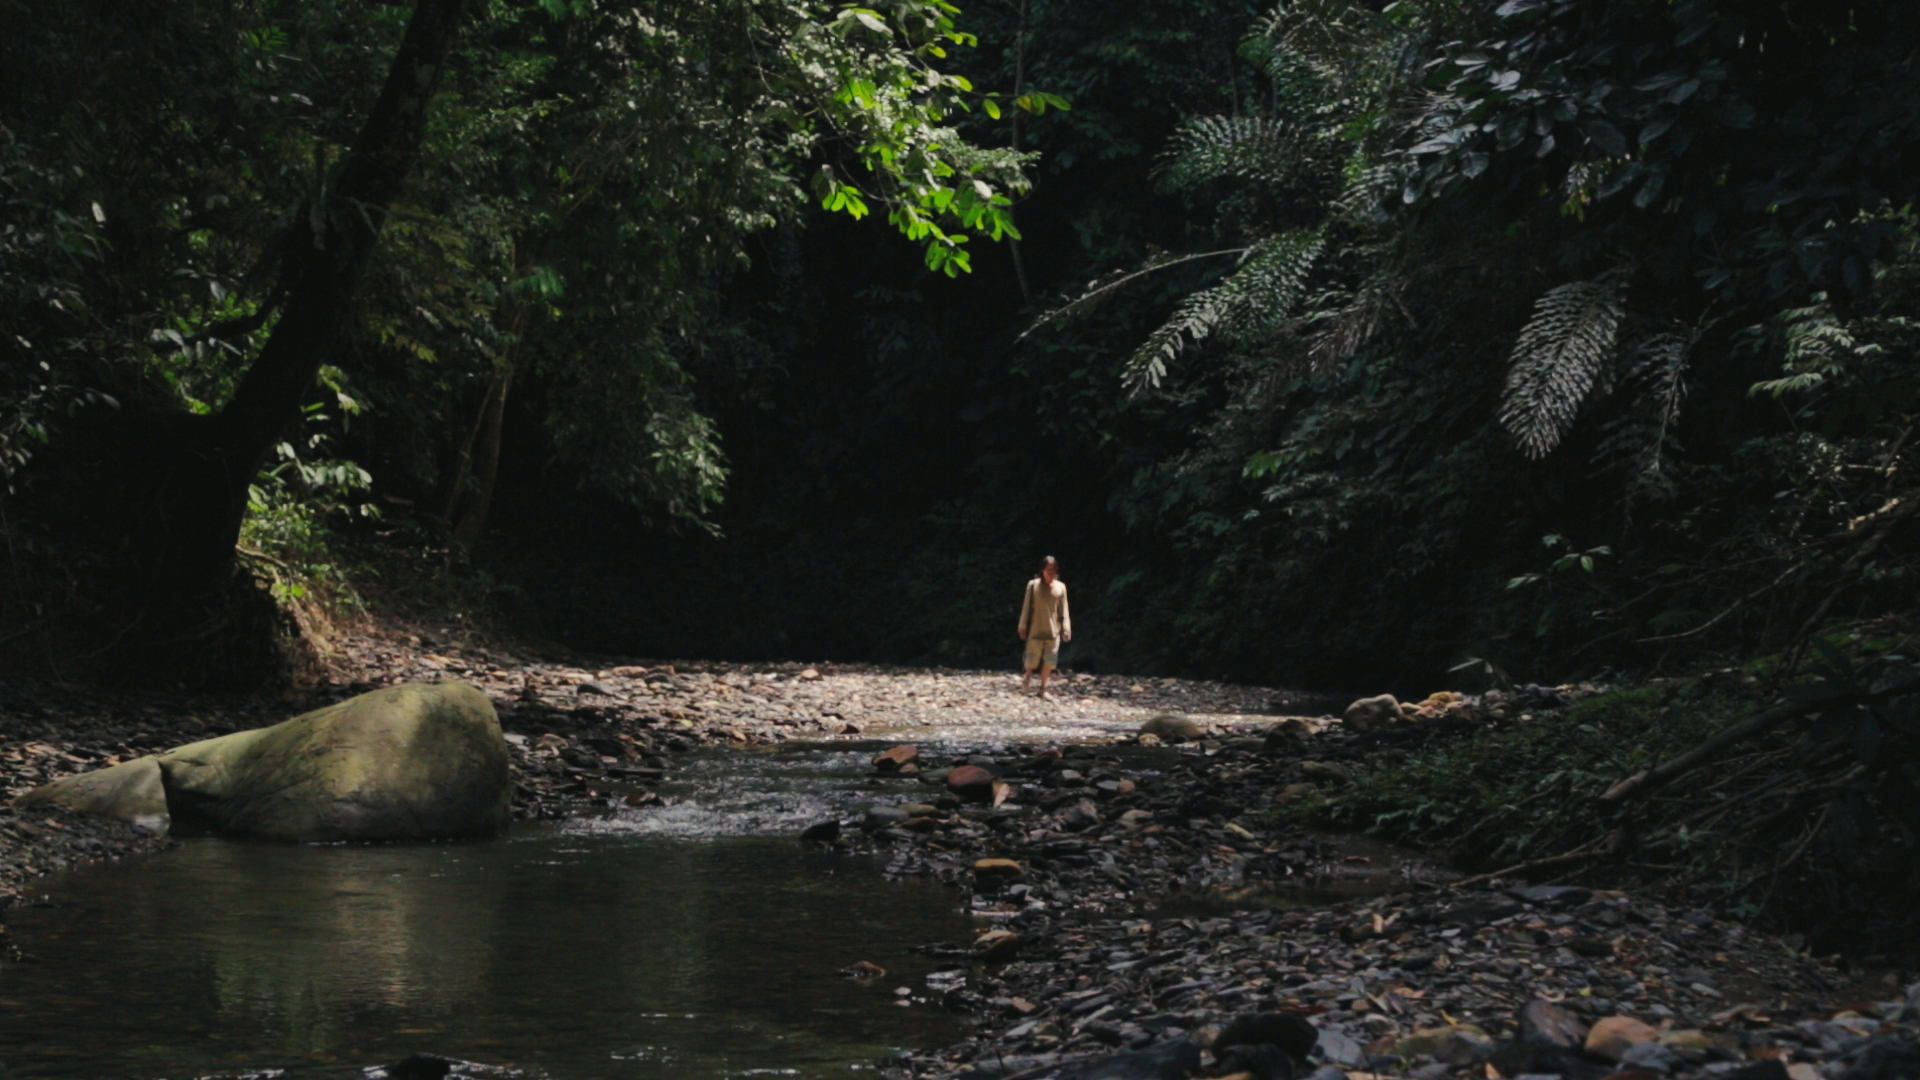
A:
1044	623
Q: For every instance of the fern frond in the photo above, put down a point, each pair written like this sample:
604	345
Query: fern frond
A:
1242	147
1254	299
1818	345
1370	189
1564	349
1661	364
1330	37
1344	330
1640	442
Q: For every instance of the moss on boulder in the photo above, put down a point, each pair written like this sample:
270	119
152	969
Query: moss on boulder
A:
130	789
418	761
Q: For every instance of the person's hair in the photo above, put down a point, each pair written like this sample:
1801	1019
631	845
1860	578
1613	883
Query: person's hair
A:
1049	561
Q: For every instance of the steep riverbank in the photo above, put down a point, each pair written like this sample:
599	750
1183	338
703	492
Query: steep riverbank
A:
1130	896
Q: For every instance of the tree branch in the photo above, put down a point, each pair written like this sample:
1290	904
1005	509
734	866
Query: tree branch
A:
1647	779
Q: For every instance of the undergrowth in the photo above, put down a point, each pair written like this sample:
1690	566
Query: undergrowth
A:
1787	789
1506	795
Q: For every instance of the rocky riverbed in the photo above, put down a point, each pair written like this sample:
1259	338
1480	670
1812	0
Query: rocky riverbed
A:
1141	911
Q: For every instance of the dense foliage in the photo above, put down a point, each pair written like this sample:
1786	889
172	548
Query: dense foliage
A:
199	316
1543	336
1340	343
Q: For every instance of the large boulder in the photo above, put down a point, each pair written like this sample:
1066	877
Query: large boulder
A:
130	789
419	761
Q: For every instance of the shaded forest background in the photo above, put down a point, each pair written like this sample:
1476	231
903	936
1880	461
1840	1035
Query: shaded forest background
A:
1545	338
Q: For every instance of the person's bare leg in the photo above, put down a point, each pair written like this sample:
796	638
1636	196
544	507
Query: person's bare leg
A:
1046	671
1026	681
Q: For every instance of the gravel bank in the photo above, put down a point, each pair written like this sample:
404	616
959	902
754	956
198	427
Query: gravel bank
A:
1135	897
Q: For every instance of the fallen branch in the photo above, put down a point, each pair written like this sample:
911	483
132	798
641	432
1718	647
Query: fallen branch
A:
1735	606
1578	855
1648	779
1896	510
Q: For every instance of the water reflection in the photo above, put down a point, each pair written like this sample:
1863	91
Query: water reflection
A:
573	954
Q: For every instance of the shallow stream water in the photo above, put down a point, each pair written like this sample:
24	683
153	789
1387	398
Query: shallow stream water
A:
696	939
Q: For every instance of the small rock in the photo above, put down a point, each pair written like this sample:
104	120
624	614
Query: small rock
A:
1544	1024
891	759
1455	1044
1081	815
1883	1057
1372	714
1292	1034
1650	1056
1697	1046
1001	869
1611	1037
996	946
971	782
1173	728
1777	1070
1338	1049
1321	772
149	824
1173	1060
1567	895
1588	945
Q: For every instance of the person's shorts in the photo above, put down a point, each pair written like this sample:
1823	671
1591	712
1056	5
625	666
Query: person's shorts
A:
1042	651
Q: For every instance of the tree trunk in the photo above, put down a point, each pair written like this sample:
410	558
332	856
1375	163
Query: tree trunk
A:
149	501
472	520
199	504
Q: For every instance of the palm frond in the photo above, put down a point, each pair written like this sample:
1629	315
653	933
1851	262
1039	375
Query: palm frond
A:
1109	285
1344	328
1256	298
1240	147
1565	348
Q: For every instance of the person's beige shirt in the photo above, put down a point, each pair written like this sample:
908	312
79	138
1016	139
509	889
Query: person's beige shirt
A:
1043	612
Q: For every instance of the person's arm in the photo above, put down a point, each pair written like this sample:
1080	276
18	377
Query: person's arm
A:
1066	617
1026	609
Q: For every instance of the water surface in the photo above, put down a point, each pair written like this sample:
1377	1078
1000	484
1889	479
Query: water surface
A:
635	946
694	939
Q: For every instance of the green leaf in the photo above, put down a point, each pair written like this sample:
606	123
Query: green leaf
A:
1607	137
